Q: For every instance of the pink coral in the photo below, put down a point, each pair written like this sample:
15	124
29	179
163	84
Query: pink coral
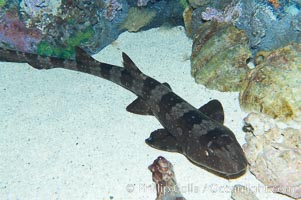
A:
14	33
230	14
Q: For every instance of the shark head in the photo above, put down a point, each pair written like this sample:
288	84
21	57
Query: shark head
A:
219	152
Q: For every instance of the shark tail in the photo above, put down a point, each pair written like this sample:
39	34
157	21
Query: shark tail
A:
84	60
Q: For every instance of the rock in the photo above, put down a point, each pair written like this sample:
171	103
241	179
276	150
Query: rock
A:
137	18
198	7
265	23
38	8
15	34
240	192
206	3
187	16
198	3
219	56
273	86
92	25
274	154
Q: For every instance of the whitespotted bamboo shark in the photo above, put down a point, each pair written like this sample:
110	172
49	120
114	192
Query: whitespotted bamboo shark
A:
199	134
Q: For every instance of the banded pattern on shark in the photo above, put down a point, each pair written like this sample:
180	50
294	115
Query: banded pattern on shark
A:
199	134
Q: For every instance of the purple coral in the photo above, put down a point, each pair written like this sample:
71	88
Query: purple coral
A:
112	6
230	14
14	33
213	14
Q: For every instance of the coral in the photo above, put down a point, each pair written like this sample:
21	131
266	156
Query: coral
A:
214	15
137	18
274	154
270	24
39	13
230	14
14	33
105	16
37	8
273	86
77	16
219	55
266	22
164	178
111	8
58	20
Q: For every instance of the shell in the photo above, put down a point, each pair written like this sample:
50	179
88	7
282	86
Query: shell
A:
219	55
164	178
273	86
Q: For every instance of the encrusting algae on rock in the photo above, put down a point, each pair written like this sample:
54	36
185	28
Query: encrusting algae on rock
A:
219	56
273	87
137	18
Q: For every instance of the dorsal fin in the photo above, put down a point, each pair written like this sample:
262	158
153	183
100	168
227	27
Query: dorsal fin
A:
130	65
214	110
167	85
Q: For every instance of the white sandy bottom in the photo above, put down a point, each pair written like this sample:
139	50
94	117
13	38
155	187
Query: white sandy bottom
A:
67	135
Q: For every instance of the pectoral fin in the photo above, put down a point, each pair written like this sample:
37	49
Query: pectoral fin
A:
214	110
138	106
163	140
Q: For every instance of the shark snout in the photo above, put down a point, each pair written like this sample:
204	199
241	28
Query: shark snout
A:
231	159
220	153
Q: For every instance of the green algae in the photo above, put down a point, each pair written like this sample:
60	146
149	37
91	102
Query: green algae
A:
184	3
2	3
46	49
